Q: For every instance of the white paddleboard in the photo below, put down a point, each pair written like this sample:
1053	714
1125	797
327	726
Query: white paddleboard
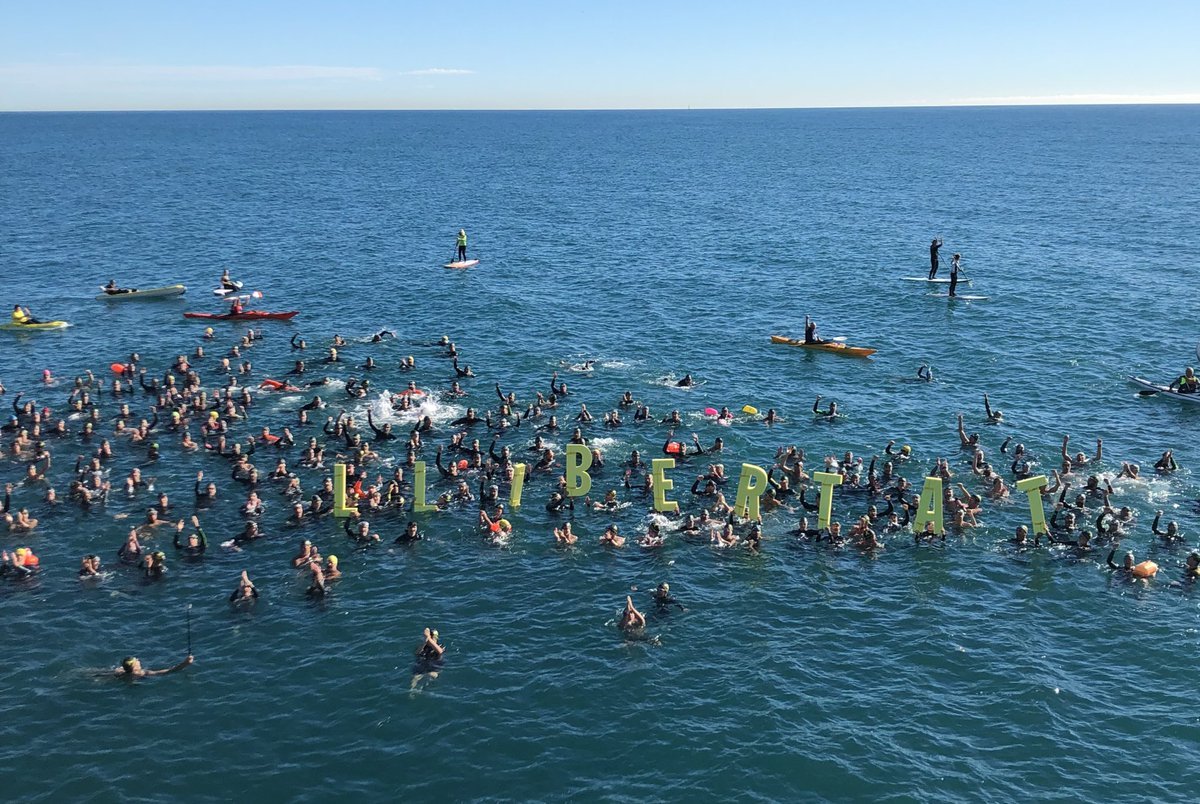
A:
938	281
461	264
961	297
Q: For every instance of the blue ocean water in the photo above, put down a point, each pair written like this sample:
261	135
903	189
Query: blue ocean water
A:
656	243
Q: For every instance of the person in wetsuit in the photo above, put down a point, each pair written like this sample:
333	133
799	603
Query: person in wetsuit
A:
933	257
461	245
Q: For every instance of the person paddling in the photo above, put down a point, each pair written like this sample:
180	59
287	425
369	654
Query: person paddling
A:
461	245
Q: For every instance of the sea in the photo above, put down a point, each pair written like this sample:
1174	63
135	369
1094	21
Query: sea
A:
656	244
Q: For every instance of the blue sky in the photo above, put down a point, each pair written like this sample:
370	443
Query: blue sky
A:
118	54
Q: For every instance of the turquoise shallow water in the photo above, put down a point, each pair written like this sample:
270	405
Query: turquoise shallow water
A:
656	243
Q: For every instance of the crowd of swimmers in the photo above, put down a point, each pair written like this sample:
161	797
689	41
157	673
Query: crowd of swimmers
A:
473	467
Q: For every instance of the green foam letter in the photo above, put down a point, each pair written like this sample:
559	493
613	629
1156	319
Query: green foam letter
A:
752	484
827	480
518	483
340	508
663	484
579	458
929	508
1032	486
419	504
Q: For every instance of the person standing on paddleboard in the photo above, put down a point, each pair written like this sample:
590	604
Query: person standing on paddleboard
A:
462	245
954	266
933	257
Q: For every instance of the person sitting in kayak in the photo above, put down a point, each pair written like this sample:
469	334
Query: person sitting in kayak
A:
22	316
810	331
112	289
461	244
1187	383
236	307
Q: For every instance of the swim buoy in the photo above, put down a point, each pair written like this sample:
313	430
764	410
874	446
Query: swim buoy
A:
411	392
750	410
674	448
118	368
273	384
494	527
1147	569
710	411
271	439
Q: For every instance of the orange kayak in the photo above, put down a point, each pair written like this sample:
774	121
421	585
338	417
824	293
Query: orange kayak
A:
828	346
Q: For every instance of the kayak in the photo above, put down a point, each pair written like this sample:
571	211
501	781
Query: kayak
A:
245	315
827	346
148	293
461	264
1165	391
11	327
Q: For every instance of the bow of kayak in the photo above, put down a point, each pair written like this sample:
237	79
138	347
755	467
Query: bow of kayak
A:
828	346
149	293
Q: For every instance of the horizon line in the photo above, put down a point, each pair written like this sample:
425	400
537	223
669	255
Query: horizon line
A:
1016	105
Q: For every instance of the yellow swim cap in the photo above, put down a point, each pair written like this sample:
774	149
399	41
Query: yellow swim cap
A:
208	330
504	524
905	450
333	561
212	414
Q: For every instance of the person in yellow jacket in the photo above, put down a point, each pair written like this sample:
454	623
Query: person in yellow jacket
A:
462	244
21	315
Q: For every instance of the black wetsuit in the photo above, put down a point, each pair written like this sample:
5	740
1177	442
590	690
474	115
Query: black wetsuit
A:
933	258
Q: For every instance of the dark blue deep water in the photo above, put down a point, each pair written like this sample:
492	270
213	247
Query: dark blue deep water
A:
656	244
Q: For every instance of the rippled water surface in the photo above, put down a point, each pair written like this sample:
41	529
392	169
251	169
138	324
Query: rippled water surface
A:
657	244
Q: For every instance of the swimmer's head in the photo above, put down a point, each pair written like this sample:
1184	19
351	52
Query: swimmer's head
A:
333	561
130	664
906	450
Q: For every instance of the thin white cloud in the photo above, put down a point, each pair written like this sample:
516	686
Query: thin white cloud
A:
439	71
91	73
1098	98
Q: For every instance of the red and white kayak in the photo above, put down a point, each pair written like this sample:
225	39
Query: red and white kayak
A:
245	315
461	264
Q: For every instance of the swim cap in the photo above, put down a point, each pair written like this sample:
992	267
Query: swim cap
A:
905	450
333	561
434	633
504	524
463	464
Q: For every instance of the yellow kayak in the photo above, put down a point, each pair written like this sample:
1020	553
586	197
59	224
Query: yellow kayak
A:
828	346
11	327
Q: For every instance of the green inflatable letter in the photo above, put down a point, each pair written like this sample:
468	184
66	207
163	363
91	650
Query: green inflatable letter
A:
1032	487
419	504
340	508
825	507
663	484
752	484
931	493
579	458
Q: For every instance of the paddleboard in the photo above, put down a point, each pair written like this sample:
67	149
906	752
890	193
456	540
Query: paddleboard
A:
962	297
938	281
1163	390
461	264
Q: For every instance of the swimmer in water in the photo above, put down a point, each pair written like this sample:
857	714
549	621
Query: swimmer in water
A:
246	591
925	373
686	382
663	598
131	668
830	414
995	416
632	621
